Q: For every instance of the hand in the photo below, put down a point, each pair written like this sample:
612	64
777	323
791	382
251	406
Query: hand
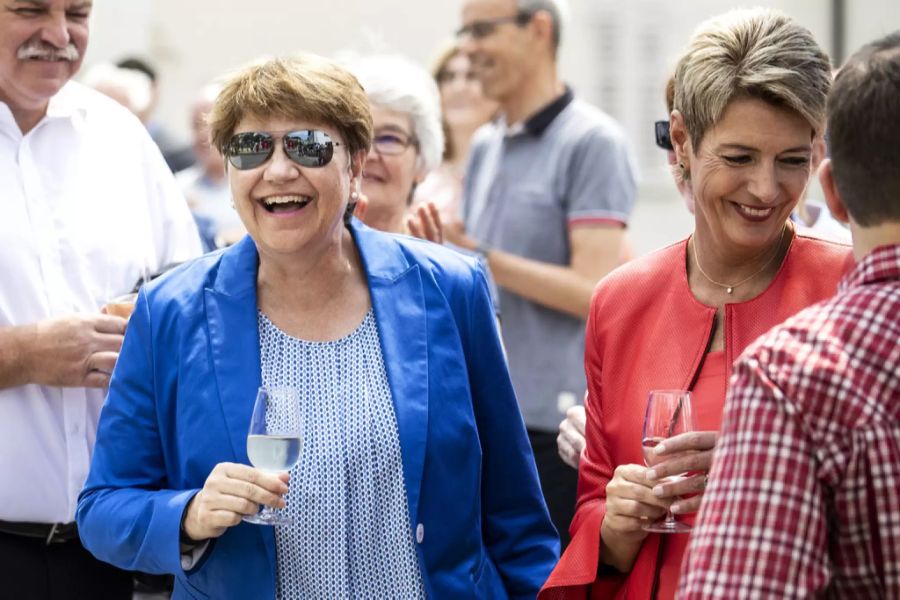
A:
230	492
570	441
455	233
690	452
630	503
425	223
74	351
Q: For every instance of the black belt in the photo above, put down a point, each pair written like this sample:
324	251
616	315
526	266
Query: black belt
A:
51	533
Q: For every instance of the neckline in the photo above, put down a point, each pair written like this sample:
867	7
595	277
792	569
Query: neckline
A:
356	332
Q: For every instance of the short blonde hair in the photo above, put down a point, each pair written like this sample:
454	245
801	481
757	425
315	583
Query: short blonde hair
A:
303	87
758	53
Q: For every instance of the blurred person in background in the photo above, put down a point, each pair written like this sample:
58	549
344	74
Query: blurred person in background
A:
88	208
549	188
406	145
129	88
464	108
804	495
178	156
415	477
205	185
749	109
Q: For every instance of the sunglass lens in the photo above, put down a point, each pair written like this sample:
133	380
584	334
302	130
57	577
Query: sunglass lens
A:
249	150
309	148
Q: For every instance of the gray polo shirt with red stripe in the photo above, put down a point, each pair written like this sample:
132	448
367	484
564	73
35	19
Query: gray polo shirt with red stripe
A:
526	187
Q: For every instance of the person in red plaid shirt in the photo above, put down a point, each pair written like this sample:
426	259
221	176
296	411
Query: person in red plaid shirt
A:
804	494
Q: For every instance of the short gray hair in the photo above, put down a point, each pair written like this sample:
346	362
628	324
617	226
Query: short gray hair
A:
396	83
558	9
758	53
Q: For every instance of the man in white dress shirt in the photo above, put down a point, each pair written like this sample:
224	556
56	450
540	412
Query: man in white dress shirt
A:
86	206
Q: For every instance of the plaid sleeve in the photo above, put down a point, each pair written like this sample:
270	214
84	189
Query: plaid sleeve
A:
761	529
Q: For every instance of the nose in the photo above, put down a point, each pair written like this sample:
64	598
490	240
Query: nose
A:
280	168
55	30
764	184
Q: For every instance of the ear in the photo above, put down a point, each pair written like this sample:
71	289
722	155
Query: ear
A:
542	22
362	205
680	139
356	168
818	152
832	196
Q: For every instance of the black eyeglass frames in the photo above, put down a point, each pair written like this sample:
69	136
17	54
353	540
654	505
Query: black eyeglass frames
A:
482	29
663	140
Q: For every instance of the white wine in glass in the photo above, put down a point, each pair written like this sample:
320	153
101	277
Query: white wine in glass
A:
275	440
668	414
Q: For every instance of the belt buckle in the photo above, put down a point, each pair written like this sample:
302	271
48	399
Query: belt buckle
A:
50	535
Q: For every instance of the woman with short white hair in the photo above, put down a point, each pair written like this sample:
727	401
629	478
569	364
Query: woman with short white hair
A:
408	142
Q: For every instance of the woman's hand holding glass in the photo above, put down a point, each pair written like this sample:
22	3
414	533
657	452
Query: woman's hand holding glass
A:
690	452
231	492
630	504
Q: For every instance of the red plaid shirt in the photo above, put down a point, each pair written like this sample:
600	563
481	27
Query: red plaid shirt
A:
804	494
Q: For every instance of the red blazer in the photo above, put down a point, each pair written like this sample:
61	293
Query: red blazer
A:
647	331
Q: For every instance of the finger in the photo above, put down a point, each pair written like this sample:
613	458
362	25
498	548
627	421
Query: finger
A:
96	379
633	508
109	324
692	440
245	490
635	474
436	222
579	419
682	463
687	505
682	487
429	228
236	504
110	341
102	361
566	452
412	224
626	490
246	474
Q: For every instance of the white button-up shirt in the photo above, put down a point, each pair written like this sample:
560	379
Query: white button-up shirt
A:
86	205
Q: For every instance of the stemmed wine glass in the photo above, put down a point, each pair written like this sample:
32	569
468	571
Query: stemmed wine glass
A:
274	440
668	414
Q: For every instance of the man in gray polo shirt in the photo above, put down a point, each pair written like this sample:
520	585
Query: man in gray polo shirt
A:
548	191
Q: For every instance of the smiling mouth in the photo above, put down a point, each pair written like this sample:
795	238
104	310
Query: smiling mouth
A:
283	204
373	177
754	213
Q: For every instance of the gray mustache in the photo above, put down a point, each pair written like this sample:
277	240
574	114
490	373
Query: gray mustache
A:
45	51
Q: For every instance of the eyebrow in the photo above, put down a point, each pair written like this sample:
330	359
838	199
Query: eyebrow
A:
391	127
744	148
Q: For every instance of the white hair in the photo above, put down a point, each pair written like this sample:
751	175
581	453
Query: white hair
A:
396	83
135	86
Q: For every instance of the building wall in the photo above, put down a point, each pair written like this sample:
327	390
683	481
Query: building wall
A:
616	53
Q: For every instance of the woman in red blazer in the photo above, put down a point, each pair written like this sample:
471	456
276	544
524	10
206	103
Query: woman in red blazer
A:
749	108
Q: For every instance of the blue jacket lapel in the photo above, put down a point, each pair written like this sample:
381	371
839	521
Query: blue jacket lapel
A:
399	302
234	342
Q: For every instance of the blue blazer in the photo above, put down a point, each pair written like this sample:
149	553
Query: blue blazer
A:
180	400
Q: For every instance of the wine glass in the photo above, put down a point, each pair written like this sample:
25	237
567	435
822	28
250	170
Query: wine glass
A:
274	440
668	414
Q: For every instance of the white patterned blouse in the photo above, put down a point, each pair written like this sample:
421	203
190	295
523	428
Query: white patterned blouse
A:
352	535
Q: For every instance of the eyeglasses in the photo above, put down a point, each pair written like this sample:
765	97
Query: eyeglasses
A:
390	143
306	147
482	29
663	140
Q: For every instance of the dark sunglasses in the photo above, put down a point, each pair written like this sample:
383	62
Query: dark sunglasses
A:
482	29
663	139
306	147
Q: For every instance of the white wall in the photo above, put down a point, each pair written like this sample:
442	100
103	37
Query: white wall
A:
616	53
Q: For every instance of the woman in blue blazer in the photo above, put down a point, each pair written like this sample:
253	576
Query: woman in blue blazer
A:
416	477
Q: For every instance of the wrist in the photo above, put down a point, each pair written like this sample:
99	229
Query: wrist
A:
185	539
482	249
